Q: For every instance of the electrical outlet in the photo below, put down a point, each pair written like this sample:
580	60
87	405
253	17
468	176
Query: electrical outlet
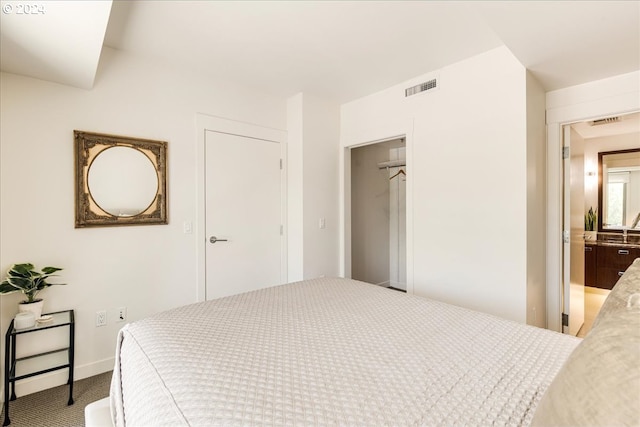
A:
122	314
101	318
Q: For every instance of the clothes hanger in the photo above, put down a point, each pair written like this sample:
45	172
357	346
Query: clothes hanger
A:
399	172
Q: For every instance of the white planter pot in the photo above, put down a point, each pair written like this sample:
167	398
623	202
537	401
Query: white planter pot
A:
24	319
591	235
34	307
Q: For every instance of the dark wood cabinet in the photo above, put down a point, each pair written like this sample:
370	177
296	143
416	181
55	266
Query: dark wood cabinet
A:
590	251
611	263
617	256
607	277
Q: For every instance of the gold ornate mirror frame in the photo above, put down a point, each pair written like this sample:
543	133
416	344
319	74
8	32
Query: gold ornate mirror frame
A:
89	213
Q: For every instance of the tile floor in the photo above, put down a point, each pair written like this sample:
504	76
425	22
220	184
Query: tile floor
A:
593	300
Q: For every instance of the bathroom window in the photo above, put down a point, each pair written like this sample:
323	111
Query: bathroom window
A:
617	199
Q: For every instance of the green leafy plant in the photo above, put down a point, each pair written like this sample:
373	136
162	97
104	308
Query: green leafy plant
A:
24	278
590	219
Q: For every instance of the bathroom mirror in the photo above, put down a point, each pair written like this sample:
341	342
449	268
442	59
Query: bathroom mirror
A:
619	191
119	180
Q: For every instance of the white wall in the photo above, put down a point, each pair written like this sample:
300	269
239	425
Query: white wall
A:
313	124
593	100
467	230
320	163
145	268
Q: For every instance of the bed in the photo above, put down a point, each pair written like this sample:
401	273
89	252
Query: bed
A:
333	351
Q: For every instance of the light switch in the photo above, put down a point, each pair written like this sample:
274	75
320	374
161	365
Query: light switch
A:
322	223
187	227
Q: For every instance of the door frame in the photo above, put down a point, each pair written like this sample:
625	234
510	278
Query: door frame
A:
603	98
345	202
205	122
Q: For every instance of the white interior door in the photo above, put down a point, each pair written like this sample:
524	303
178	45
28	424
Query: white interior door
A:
243	209
573	247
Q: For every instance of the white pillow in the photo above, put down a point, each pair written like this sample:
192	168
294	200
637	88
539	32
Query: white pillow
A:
599	384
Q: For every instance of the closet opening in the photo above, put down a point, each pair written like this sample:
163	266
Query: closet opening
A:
378	214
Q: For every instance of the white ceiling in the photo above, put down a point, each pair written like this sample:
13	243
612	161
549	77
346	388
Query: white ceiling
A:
59	41
342	49
624	124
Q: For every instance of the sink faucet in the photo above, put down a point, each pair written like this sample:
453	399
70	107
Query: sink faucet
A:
635	221
624	234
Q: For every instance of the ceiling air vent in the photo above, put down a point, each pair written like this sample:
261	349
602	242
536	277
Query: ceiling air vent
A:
604	121
431	84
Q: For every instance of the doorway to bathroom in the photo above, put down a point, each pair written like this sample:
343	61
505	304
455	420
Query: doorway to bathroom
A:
378	214
596	219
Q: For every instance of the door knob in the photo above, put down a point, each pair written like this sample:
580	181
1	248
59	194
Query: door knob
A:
214	239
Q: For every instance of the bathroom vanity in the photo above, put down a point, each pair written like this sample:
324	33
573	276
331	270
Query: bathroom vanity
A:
607	258
617	241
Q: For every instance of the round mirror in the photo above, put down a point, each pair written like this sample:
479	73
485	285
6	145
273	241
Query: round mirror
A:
122	181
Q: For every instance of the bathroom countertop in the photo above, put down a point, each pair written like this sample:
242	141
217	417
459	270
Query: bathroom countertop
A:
612	243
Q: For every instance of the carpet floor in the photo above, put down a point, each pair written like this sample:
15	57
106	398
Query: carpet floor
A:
48	408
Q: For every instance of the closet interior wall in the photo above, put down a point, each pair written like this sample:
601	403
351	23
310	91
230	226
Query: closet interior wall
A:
378	241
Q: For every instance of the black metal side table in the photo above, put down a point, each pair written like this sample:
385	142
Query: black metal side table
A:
39	363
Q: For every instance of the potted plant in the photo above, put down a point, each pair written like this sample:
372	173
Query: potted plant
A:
24	278
590	221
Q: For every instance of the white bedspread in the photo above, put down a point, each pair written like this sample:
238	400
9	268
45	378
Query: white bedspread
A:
331	351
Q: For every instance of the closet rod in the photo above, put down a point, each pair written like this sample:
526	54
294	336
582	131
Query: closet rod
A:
392	164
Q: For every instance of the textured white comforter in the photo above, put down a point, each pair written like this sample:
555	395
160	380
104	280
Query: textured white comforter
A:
327	352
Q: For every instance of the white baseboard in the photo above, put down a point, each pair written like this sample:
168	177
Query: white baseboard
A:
54	379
